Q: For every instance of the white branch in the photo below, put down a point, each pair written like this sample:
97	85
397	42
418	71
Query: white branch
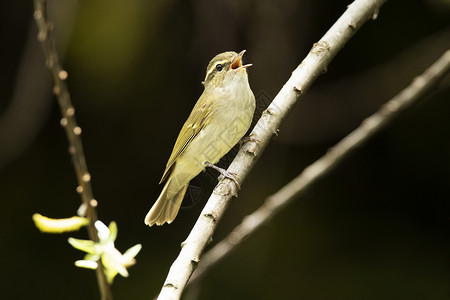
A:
419	88
302	78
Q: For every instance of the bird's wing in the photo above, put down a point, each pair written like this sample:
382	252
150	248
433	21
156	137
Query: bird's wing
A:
199	117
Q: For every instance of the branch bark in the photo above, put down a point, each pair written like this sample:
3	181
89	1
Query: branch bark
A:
302	78
416	91
73	131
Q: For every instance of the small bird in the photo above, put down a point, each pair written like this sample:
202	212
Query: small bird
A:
219	119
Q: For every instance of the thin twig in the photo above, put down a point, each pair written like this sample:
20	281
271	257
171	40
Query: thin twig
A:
416	91
73	131
302	78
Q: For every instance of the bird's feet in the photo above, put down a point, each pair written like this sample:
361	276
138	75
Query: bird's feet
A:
225	173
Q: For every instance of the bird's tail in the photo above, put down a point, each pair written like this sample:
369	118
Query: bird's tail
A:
168	204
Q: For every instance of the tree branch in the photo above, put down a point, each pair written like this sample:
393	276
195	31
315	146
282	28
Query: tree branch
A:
417	90
73	131
302	78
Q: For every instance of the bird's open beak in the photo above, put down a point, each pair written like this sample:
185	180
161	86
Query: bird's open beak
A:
237	63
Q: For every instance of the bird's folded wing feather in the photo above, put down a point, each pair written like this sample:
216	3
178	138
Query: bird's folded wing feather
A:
199	117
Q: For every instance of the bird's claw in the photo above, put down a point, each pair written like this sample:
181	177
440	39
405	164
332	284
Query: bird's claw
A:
230	175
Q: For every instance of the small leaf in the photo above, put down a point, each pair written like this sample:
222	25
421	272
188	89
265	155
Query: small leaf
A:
50	225
133	251
93	257
112	264
113	231
83	245
102	231
88	264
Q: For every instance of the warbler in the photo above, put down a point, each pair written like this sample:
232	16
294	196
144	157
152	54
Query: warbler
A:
219	119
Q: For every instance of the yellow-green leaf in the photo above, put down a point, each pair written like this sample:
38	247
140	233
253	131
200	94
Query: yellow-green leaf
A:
50	225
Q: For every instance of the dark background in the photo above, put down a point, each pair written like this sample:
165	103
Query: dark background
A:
375	228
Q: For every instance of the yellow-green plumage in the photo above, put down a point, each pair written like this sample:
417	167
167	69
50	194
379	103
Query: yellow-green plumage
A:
219	119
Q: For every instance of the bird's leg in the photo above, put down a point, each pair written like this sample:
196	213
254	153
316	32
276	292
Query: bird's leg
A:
225	173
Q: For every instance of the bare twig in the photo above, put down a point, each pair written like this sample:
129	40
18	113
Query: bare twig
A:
73	131
302	78
416	91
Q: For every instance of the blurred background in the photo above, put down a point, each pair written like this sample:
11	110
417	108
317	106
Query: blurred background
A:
375	228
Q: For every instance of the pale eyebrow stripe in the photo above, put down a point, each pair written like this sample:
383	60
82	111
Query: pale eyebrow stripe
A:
214	66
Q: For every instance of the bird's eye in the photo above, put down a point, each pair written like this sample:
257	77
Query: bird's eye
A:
219	67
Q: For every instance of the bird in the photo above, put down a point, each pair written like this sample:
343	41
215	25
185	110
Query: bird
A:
218	121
